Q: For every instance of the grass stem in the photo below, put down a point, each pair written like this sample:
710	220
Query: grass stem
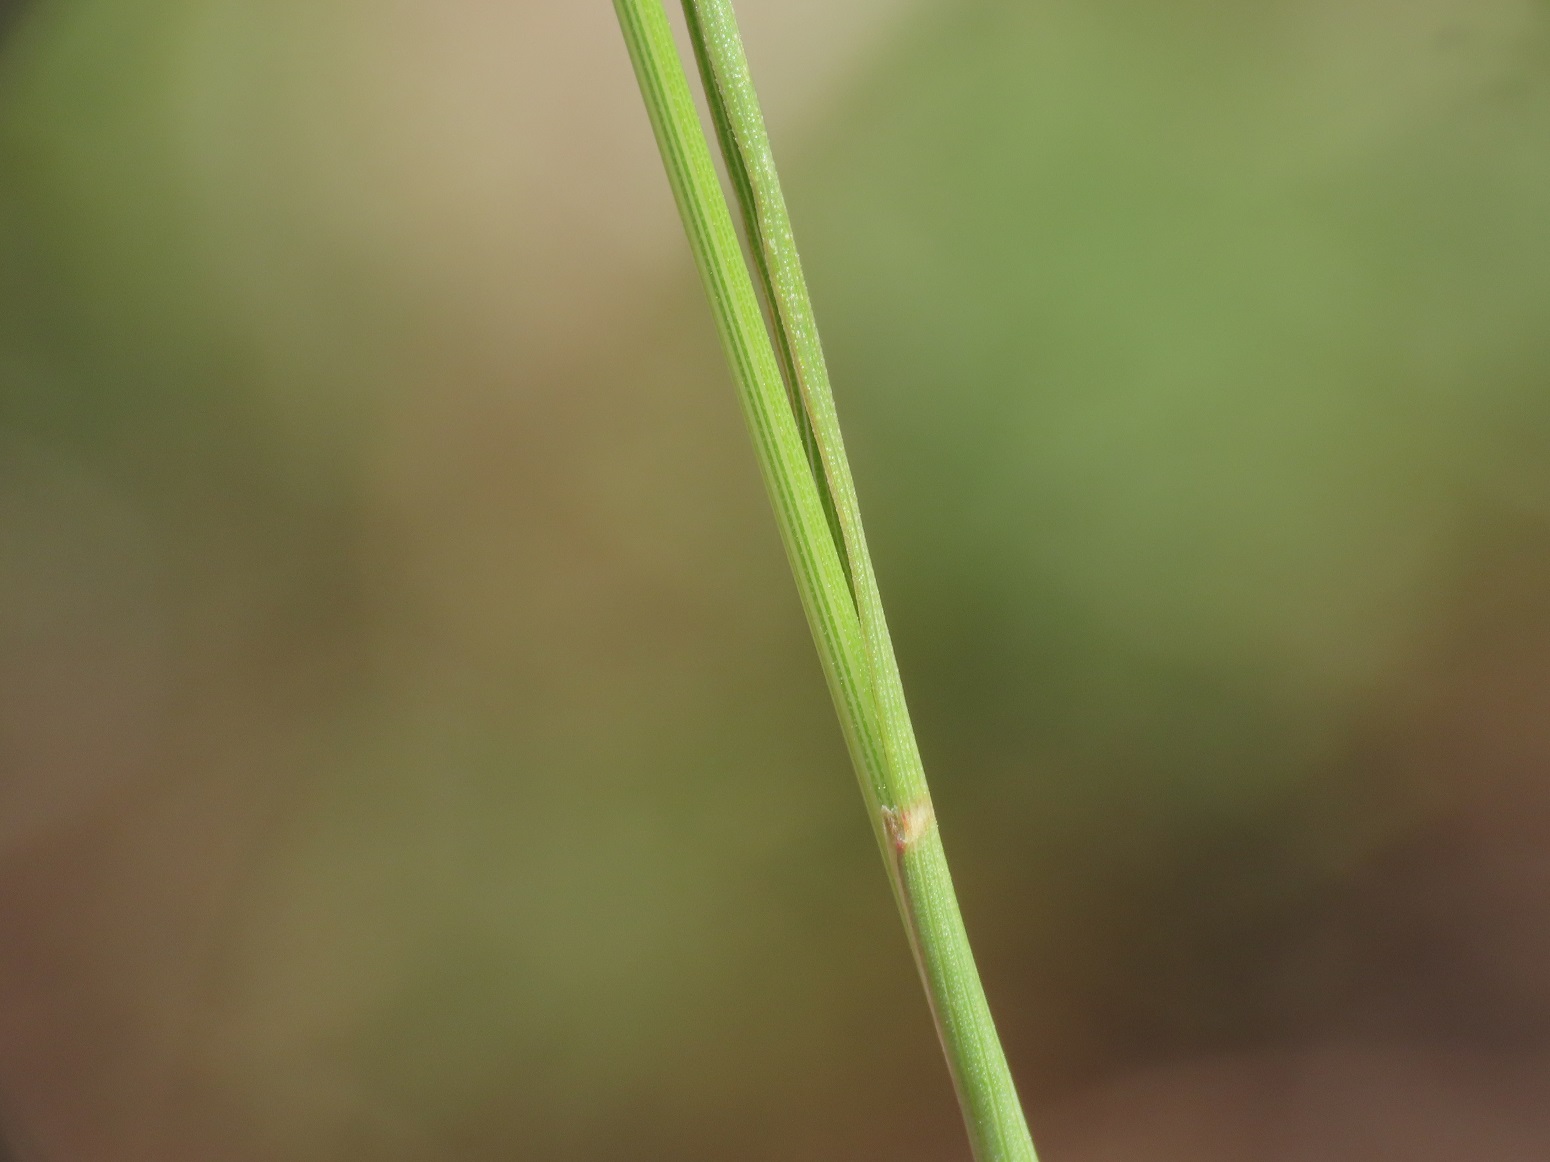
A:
784	386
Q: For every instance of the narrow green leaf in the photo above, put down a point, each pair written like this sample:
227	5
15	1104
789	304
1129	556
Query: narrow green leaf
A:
742	185
788	476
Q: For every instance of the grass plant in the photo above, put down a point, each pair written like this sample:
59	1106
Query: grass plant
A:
778	364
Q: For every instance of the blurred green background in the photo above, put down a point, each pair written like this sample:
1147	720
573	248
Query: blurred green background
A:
410	746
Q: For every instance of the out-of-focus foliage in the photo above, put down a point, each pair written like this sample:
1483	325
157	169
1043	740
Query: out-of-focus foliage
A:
1189	346
410	744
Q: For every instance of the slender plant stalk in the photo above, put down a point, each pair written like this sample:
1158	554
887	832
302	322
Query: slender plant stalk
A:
784	386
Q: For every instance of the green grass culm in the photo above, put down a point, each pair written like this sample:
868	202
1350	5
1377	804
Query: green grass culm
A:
779	369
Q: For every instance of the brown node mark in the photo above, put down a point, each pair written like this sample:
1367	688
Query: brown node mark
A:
908	825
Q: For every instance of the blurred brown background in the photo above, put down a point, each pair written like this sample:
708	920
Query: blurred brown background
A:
410	747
